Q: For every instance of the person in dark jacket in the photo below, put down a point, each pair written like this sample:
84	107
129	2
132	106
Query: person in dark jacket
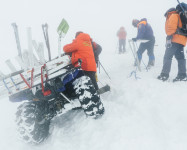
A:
174	46
145	32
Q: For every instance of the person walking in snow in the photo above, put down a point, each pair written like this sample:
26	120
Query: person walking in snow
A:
174	46
122	34
81	48
145	32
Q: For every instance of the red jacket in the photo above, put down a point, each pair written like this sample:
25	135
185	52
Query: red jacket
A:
122	33
81	48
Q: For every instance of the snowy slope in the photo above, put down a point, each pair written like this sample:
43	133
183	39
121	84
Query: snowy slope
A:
143	114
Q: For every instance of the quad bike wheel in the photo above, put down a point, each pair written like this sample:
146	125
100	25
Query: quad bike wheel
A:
32	125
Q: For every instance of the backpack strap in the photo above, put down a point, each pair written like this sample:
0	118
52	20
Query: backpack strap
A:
180	30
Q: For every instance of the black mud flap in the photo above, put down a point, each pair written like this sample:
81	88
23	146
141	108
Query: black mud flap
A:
22	95
104	89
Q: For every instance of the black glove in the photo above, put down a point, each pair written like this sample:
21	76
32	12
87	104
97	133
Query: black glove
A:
169	37
168	41
70	54
134	39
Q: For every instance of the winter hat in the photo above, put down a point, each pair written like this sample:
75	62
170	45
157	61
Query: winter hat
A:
77	33
135	22
169	10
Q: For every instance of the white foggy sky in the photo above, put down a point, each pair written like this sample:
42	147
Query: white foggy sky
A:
100	18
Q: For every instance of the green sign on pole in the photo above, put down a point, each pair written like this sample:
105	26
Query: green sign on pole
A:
63	28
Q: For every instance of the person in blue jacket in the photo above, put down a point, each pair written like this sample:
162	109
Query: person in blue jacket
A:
145	32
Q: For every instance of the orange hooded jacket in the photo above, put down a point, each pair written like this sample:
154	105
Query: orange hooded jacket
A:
81	48
173	21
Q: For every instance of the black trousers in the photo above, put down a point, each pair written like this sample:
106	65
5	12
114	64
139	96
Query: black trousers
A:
176	50
91	74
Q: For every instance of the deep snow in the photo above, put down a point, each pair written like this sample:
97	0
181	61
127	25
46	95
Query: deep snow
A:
144	114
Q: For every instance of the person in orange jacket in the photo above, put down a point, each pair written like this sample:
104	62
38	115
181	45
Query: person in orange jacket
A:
81	48
175	43
122	34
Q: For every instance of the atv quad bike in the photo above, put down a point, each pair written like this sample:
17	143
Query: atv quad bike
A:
47	88
59	95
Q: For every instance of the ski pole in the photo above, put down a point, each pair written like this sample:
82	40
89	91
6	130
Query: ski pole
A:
62	31
105	70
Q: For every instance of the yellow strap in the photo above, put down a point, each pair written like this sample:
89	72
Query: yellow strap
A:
96	77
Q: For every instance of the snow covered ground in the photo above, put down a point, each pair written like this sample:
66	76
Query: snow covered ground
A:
144	114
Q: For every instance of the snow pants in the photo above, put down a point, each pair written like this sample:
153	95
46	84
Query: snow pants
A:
122	44
149	46
176	50
91	74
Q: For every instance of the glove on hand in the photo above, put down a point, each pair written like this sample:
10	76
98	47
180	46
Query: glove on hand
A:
134	39
168	41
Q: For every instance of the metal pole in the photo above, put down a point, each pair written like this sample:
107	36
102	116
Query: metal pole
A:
132	50
46	37
136	56
59	46
66	98
30	48
105	70
17	39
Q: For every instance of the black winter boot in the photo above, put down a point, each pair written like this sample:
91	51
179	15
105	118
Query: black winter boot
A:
163	77
180	77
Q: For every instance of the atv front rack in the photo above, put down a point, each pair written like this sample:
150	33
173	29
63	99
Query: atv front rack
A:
23	80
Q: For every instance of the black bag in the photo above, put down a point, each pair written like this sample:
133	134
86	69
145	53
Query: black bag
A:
97	50
182	10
